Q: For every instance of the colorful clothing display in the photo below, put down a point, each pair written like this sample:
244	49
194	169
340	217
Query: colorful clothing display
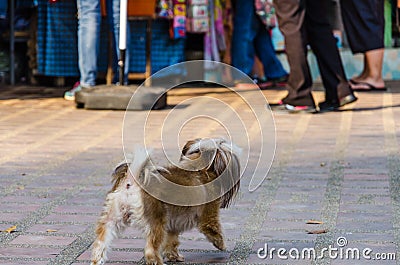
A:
266	11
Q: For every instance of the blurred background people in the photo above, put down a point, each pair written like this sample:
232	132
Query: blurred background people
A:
251	37
364	24
89	23
89	19
303	23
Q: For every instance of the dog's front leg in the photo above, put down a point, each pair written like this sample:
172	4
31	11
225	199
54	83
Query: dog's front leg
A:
210	225
171	252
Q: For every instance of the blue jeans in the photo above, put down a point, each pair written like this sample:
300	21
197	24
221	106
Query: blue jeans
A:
3	9
88	40
113	9
250	38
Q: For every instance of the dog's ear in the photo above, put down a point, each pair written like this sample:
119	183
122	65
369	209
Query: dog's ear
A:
189	152
227	163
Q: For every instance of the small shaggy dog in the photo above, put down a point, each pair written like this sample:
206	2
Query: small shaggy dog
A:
202	162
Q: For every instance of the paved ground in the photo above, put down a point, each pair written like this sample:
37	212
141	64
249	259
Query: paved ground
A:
342	169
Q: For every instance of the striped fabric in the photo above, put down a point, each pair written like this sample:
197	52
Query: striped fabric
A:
57	42
164	50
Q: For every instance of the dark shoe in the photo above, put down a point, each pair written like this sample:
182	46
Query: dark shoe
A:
347	100
327	106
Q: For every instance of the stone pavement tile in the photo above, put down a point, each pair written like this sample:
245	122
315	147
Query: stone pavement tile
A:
27	252
77	218
78	209
364	237
378	191
88	199
43	240
20	262
132	232
203	245
290	207
286	235
26	208
57	228
355	207
254	259
5	225
129	243
365	225
285	224
113	255
366	199
12	217
206	257
348	217
367	183
38	199
362	177
298	215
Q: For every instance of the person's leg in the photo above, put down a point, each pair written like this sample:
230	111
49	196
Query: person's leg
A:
364	26
324	47
3	9
113	14
291	15
88	40
243	36
372	73
265	51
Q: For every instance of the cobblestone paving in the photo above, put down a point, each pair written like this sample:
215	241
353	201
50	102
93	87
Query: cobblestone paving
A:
341	168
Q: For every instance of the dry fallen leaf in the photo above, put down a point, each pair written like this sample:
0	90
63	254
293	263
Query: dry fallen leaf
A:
314	222
316	232
51	230
10	229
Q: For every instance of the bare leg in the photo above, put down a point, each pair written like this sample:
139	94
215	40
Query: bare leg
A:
372	73
171	248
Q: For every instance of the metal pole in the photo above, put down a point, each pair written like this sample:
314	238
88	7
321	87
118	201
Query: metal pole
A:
123	16
12	43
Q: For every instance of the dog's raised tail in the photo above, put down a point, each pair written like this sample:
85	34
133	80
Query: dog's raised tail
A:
134	168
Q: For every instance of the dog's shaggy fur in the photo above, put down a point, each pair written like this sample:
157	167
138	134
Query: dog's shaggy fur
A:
128	203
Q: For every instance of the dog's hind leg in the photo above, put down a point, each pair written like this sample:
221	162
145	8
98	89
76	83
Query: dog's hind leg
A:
210	225
110	224
154	241
171	252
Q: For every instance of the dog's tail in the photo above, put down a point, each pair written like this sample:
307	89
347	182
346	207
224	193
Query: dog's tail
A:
136	168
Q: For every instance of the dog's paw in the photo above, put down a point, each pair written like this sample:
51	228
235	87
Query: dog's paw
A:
219	244
154	260
172	257
100	262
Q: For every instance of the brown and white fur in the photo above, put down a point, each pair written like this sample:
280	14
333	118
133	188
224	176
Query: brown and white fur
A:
129	204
